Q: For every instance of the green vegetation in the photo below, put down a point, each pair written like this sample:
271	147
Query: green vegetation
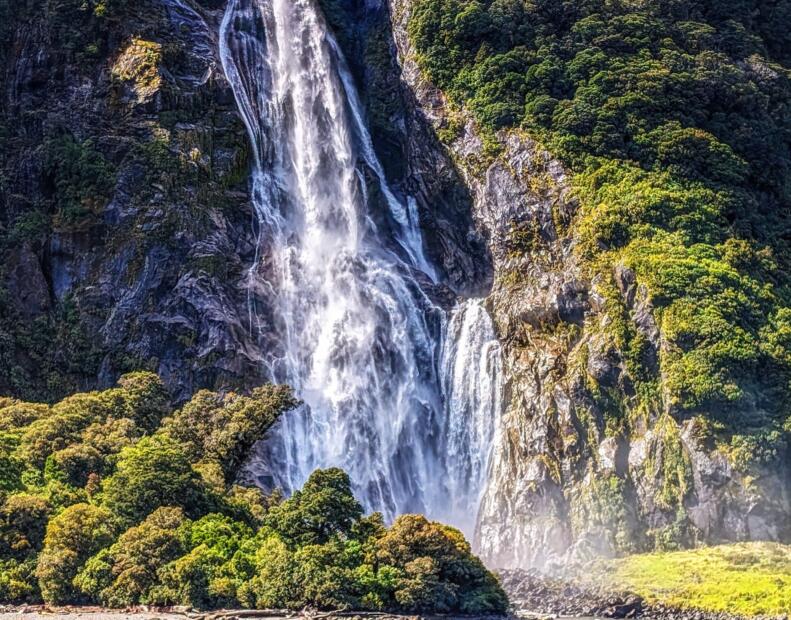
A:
60	163
82	28
674	118
82	178
139	64
113	498
46	356
601	503
748	579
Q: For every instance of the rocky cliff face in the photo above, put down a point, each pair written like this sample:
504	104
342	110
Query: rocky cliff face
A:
415	161
124	201
581	466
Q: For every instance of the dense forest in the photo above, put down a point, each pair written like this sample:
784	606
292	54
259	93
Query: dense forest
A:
113	498
675	118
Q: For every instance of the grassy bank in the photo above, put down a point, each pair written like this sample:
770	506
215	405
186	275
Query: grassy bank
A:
749	578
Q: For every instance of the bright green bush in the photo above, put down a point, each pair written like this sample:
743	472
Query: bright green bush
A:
223	427
324	509
124	573
72	537
11	466
23	522
344	560
203	576
154	472
436	563
18	581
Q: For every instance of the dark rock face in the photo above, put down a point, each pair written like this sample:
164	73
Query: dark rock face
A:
413	157
28	288
152	271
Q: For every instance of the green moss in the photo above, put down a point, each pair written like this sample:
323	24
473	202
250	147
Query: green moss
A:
239	173
680	534
600	502
523	237
671	465
745	579
29	226
139	65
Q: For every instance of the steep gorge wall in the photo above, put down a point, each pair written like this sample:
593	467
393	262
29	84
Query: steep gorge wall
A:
582	467
127	229
125	216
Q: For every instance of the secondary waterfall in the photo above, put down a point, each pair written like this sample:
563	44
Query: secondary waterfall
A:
398	393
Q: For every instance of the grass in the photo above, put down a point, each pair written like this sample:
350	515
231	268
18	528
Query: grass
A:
747	578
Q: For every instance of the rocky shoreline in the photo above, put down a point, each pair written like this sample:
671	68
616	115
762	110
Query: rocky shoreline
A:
534	595
45	612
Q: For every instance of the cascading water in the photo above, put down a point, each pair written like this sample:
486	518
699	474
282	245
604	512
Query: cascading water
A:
471	373
402	396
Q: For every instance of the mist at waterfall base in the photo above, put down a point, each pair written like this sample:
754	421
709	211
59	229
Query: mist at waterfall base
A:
399	392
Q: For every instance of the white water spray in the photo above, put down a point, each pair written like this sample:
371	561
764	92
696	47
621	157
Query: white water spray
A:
397	393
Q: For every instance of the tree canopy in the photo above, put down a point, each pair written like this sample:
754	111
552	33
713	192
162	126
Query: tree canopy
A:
112	498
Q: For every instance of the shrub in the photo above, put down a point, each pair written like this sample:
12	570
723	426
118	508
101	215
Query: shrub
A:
154	472
23	522
147	398
124	574
323	509
18	581
11	466
72	537
204	577
82	177
224	427
438	562
188	536
74	464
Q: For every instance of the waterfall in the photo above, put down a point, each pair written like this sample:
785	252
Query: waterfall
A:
471	373
398	393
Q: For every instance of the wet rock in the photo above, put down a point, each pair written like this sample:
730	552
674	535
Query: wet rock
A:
26	283
158	111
